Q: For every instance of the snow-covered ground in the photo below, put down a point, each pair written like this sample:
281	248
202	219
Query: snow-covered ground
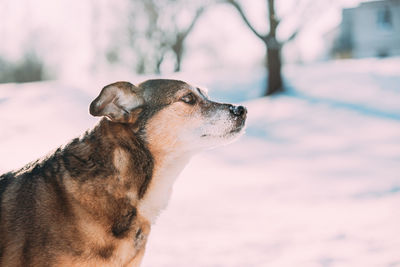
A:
315	181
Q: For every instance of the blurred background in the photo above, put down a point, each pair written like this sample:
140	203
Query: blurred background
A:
316	179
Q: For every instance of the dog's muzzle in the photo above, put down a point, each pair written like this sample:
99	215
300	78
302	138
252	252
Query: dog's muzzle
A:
239	114
238	111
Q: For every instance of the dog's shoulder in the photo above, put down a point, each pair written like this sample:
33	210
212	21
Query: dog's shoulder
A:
5	180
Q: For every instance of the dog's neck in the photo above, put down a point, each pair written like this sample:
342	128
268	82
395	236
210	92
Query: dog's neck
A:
166	170
168	162
112	157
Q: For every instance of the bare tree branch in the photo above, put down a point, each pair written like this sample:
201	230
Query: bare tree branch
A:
195	19
245	19
273	20
292	36
178	45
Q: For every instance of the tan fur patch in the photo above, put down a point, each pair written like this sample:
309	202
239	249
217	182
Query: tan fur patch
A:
120	160
110	251
164	130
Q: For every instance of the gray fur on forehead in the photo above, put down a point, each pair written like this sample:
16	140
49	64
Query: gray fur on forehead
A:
161	88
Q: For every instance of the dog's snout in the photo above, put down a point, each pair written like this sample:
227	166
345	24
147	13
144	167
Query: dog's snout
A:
238	110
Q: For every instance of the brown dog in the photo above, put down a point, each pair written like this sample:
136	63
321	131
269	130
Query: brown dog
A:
92	201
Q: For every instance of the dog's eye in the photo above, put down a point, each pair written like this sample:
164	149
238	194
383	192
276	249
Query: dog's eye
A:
189	99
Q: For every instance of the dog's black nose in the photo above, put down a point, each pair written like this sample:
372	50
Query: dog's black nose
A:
238	110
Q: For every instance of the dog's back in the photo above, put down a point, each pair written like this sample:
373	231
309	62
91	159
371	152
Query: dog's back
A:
35	216
5	179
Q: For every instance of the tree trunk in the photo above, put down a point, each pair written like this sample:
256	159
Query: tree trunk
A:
177	48
273	62
273	54
178	61
158	64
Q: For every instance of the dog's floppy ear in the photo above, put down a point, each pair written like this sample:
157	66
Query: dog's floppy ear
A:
117	101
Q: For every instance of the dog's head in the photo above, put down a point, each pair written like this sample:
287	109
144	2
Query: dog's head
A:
171	114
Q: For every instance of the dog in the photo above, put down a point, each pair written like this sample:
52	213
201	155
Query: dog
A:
92	201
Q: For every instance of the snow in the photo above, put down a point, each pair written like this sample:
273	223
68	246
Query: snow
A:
314	182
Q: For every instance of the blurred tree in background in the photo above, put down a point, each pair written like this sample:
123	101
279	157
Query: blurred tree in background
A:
156	30
29	69
180	36
273	46
146	37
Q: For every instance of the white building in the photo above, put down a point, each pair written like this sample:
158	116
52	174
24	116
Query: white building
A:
370	30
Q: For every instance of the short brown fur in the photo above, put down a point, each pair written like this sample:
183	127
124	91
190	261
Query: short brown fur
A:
88	202
58	207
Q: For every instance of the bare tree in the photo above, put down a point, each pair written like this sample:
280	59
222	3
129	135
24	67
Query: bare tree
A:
163	33
180	37
272	45
144	37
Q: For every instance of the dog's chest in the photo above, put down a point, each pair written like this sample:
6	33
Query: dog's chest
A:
159	191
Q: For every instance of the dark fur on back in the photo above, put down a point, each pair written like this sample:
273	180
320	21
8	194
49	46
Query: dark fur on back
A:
38	202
